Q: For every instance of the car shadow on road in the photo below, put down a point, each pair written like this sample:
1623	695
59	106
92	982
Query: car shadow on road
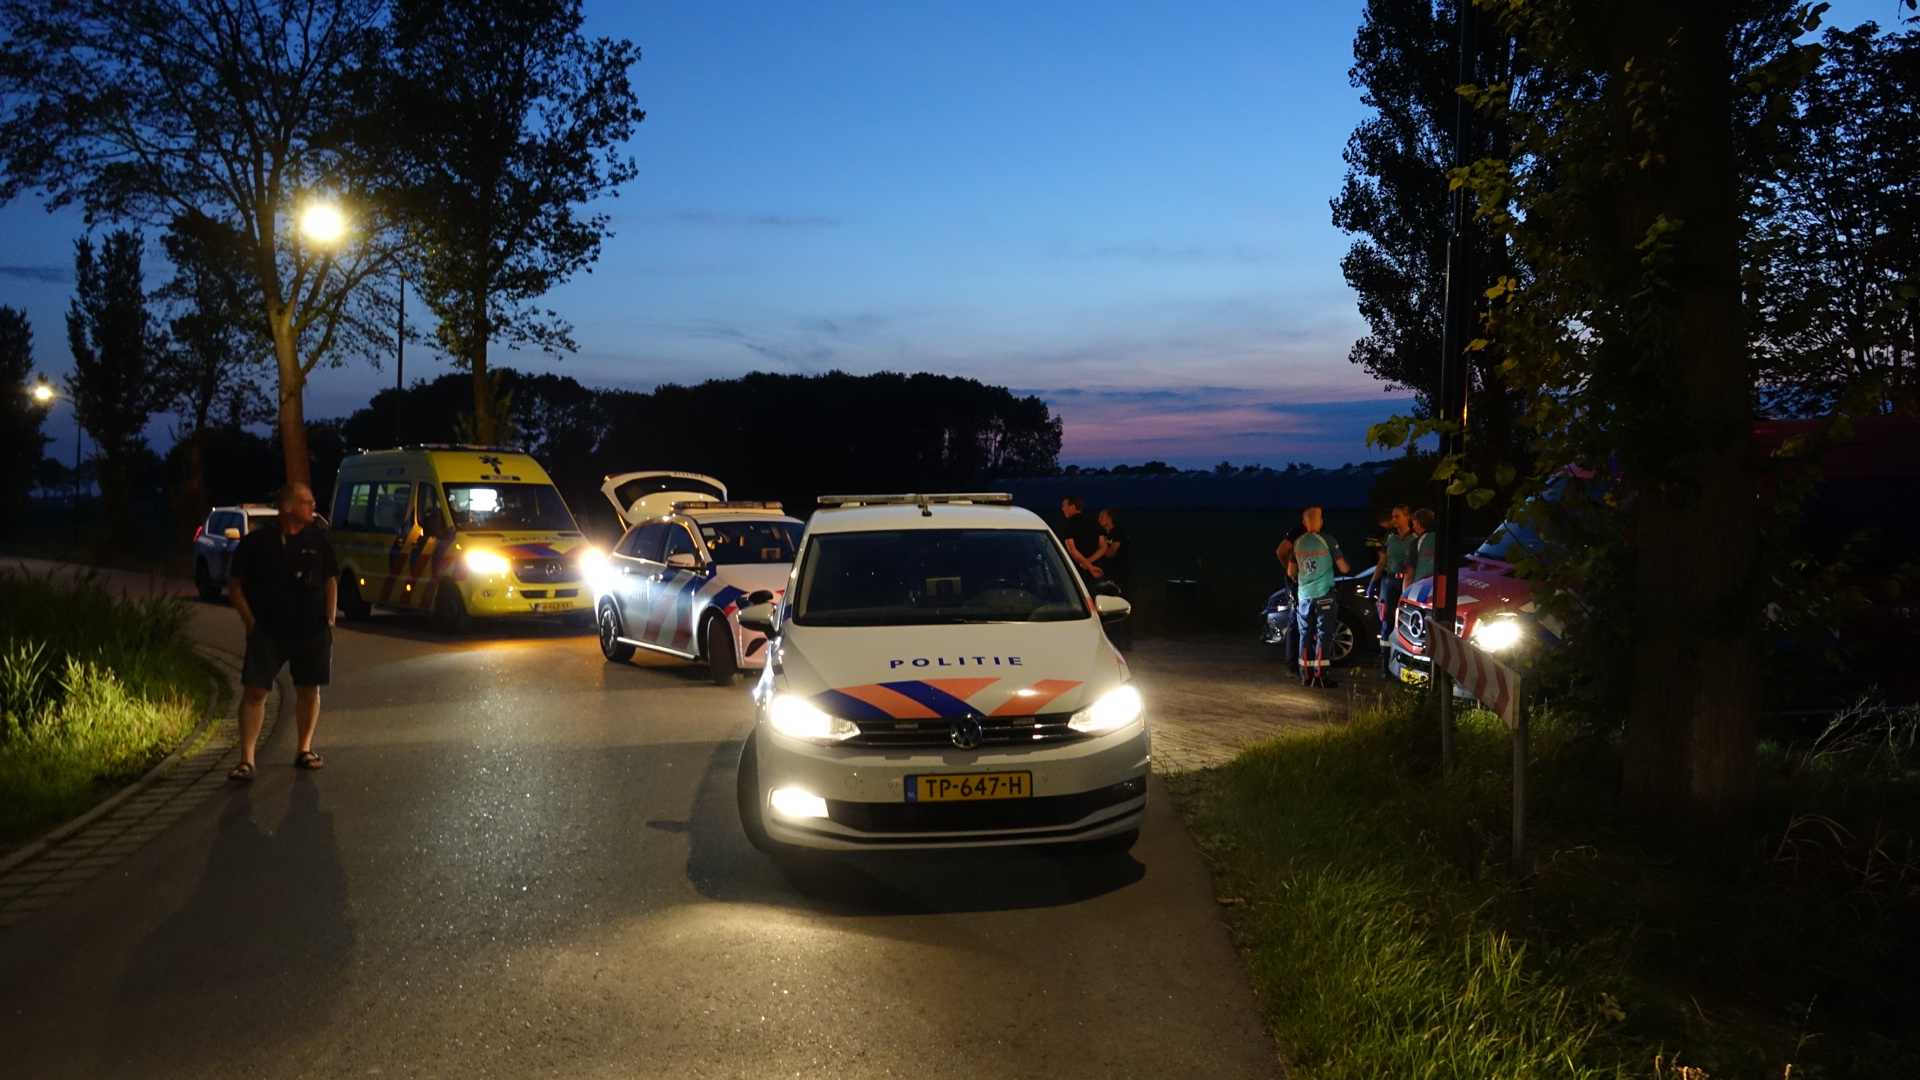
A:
267	931
723	866
412	626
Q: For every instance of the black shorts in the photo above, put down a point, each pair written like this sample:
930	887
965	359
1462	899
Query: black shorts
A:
310	656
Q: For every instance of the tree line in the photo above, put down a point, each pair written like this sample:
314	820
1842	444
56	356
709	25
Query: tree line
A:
1685	214
460	143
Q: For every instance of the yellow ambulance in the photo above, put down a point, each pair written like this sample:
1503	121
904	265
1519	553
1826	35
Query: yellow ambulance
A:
463	532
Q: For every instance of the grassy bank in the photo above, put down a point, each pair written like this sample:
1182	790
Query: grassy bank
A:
1386	939
94	688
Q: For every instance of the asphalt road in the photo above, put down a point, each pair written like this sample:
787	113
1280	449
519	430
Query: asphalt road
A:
522	861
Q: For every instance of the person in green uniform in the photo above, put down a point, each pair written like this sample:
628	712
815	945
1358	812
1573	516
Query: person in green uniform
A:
1396	551
1316	558
1422	564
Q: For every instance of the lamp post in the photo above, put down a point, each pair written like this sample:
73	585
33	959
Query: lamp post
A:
44	393
400	366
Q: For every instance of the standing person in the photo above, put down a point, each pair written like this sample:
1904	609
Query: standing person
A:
1117	565
1285	554
1315	557
286	589
1376	544
1421	565
1396	551
1083	540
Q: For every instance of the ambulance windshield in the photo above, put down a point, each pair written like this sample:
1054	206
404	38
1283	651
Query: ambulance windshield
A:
919	576
534	507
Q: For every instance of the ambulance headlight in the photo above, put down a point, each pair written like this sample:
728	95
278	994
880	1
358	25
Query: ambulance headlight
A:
794	716
488	563
1498	633
1121	706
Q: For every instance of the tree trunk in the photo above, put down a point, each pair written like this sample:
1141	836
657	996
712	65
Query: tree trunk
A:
293	413
1693	703
190	503
483	418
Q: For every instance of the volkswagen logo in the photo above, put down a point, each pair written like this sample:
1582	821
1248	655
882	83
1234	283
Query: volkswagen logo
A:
966	732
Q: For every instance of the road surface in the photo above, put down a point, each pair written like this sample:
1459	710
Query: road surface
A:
523	861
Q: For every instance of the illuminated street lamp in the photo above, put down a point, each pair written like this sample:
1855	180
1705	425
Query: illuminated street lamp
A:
43	393
322	223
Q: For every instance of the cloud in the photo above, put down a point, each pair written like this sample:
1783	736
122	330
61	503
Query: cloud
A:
52	275
1200	425
802	221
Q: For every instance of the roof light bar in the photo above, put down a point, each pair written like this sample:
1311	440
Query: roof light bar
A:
987	498
711	504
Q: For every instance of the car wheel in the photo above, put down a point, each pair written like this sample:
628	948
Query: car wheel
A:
1346	639
352	604
203	582
611	647
753	807
450	610
722	664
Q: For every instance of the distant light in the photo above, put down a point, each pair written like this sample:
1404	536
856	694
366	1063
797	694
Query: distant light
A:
43	393
322	223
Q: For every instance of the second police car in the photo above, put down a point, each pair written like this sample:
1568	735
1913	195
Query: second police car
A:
687	563
940	678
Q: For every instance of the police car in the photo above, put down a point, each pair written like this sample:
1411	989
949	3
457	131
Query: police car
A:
940	678
687	563
214	542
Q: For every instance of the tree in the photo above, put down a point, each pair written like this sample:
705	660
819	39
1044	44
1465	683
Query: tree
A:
21	443
510	121
114	348
1395	200
1835	286
239	110
219	345
1624	195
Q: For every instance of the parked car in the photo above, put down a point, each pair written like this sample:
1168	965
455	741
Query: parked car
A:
1358	632
688	562
942	679
214	541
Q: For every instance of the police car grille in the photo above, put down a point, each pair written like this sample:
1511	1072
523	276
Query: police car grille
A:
544	571
1039	812
1413	624
995	731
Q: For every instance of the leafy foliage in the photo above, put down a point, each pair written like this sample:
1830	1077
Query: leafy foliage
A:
115	349
21	442
504	122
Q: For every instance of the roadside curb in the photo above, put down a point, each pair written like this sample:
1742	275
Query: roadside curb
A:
71	854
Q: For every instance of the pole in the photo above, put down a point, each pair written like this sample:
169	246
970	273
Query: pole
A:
1520	797
1453	369
400	368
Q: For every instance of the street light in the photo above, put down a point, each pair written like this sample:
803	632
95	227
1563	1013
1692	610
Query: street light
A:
43	393
322	222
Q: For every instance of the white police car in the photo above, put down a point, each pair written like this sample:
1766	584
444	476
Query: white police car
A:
215	540
687	563
940	678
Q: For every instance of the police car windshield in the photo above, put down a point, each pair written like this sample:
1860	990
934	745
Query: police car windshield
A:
508	506
919	576
731	543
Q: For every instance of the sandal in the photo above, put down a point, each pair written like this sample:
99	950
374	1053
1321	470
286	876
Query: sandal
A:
309	760
242	773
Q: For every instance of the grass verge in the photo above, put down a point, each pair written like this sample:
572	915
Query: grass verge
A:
94	689
1384	937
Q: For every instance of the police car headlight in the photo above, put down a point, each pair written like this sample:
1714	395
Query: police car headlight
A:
487	563
1498	634
1120	707
793	716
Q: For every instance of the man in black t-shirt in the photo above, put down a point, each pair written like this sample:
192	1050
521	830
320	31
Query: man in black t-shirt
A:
1083	539
285	587
1116	563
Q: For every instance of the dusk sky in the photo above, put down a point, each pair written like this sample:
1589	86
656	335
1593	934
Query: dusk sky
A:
1120	207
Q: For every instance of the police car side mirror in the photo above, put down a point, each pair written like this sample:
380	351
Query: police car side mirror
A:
231	534
1111	608
757	618
683	560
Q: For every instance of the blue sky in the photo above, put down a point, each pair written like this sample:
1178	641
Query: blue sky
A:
1121	207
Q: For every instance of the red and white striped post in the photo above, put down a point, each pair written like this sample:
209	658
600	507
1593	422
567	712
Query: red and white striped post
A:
1498	688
